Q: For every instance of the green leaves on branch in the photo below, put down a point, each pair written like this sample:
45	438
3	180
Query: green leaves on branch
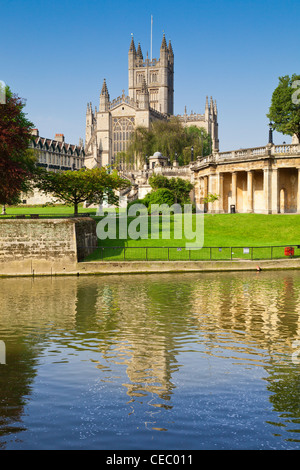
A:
211	198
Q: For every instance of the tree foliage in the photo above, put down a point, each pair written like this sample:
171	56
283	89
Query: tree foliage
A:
17	161
170	138
75	187
160	196
284	111
179	187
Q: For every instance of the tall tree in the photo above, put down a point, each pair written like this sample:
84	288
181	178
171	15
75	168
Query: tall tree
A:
284	111
170	138
75	187
16	160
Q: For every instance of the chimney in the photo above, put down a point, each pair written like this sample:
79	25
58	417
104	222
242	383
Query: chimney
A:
35	132
59	137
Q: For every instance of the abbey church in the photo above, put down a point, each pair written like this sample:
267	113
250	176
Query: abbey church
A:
150	97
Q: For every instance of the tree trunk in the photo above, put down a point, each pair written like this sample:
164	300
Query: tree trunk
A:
75	209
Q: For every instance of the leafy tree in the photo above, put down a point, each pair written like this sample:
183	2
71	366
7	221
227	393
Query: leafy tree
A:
160	196
179	187
17	162
158	181
75	187
284	111
169	137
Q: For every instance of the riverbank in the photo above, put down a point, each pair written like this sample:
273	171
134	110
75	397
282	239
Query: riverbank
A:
148	267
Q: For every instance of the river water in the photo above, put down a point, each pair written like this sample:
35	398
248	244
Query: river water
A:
169	361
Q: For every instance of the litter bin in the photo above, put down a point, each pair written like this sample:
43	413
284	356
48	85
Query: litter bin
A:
232	209
289	251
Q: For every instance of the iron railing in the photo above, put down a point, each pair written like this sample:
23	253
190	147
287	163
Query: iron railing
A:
174	253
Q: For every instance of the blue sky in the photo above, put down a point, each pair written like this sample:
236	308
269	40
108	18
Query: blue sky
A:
57	53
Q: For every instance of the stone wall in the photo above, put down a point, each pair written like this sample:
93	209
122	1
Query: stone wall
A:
45	245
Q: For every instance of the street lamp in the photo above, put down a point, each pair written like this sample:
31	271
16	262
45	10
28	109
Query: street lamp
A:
192	154
270	133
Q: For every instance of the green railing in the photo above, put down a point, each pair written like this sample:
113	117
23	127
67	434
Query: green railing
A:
168	253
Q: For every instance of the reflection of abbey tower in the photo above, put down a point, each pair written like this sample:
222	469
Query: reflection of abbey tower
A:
150	97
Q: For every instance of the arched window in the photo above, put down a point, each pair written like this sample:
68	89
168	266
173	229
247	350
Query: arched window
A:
122	130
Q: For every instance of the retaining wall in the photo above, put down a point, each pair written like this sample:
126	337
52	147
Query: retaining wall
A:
44	245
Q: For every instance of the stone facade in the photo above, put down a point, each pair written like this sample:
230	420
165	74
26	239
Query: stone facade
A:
264	180
150	97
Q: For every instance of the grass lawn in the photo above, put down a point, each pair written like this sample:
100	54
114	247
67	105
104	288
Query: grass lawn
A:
225	236
45	211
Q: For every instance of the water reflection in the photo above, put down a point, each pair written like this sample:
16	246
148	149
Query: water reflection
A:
163	339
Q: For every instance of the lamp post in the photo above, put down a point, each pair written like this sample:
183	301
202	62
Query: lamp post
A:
270	133
192	154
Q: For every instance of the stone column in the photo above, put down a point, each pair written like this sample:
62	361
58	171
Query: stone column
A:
233	188
298	192
275	193
213	189
267	190
205	191
250	200
220	192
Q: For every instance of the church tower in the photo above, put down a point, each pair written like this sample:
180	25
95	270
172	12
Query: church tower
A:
158	75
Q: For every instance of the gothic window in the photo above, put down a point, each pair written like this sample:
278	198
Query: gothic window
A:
154	99
139	77
153	77
122	130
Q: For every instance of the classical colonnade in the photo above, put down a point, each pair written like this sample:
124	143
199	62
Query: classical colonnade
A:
265	183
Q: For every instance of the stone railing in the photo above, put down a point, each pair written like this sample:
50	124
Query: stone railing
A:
250	153
168	171
191	117
241	153
286	148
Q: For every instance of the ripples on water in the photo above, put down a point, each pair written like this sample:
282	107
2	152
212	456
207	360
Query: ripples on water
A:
189	361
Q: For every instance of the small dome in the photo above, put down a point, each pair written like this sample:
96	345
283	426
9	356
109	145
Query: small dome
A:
157	154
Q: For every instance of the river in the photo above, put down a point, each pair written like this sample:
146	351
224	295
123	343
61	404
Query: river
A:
158	361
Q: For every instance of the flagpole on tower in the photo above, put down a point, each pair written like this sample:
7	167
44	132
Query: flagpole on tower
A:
151	38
